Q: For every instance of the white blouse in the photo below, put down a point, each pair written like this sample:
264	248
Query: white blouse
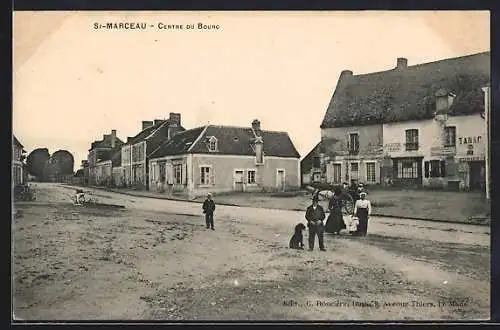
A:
363	204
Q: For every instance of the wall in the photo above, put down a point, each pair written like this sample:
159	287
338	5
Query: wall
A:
369	135
223	167
370	139
170	184
103	173
118	176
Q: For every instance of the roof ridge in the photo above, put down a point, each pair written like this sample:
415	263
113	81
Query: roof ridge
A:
450	59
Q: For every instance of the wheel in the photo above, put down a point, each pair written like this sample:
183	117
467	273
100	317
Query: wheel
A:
347	205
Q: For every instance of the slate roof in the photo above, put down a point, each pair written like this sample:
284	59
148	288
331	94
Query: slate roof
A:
231	140
306	163
142	135
409	93
105	143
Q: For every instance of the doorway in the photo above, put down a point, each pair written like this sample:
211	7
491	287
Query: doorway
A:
476	174
238	180
280	180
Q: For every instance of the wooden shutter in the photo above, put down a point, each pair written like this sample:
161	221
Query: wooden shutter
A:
212	176
451	167
184	173
170	173
426	169
443	168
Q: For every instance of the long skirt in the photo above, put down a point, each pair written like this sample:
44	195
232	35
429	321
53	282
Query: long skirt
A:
362	215
335	222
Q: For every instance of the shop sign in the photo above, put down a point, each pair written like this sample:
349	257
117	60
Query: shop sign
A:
470	159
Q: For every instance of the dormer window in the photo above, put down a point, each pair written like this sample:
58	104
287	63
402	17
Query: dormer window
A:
212	144
444	101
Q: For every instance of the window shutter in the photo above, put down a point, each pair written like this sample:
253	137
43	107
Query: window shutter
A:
184	173
443	168
170	173
426	169
212	176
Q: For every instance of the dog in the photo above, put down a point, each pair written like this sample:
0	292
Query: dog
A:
297	240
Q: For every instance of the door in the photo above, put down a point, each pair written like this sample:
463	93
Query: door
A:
280	180
238	180
476	170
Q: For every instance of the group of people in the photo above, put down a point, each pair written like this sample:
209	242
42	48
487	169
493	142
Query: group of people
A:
315	214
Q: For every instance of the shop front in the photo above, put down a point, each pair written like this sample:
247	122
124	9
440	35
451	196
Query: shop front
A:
407	171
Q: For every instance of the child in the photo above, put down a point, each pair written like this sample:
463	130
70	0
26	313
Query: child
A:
208	209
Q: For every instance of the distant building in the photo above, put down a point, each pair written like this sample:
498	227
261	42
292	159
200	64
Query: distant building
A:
218	159
136	151
98	159
420	125
18	173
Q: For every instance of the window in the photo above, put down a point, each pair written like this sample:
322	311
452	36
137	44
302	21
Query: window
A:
178	174
408	169
411	139
353	144
451	136
337	173
205	175
354	167
251	177
354	171
370	172
162	171
212	144
435	169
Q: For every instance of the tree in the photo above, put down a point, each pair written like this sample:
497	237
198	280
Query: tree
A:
63	161
36	162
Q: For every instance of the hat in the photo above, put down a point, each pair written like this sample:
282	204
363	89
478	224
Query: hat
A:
315	198
360	185
209	194
362	194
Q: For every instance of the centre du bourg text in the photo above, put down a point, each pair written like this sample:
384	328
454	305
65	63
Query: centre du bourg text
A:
159	26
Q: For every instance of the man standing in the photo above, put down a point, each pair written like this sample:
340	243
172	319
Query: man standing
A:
208	209
315	216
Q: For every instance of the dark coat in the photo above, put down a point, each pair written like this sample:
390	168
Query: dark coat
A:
312	216
208	206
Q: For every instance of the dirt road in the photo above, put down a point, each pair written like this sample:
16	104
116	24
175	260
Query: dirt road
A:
155	260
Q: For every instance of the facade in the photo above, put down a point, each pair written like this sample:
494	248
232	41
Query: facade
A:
135	153
421	125
223	159
98	159
18	173
310	166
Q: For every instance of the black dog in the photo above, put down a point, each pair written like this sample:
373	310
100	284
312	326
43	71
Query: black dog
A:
297	240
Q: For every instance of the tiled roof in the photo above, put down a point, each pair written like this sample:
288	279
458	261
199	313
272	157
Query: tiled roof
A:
150	130
409	93
230	141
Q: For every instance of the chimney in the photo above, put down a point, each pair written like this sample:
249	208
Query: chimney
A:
402	63
259	150
175	118
113	138
157	121
146	124
345	73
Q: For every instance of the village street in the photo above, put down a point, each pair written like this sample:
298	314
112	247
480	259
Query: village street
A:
155	260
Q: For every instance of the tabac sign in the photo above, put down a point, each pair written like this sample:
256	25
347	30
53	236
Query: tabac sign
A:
471	146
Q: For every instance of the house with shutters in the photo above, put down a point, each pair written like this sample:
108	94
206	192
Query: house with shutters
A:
217	159
99	163
420	125
136	152
351	143
434	130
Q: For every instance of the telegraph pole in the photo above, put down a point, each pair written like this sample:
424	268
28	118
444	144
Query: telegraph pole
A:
487	110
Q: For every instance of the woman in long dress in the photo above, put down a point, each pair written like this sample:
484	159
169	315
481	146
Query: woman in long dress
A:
335	222
362	210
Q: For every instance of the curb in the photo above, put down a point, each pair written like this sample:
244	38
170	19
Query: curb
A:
235	205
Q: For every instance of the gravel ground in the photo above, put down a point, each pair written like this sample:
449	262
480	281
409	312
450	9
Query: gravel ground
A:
155	260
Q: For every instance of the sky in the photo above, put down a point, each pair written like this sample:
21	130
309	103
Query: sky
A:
73	83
